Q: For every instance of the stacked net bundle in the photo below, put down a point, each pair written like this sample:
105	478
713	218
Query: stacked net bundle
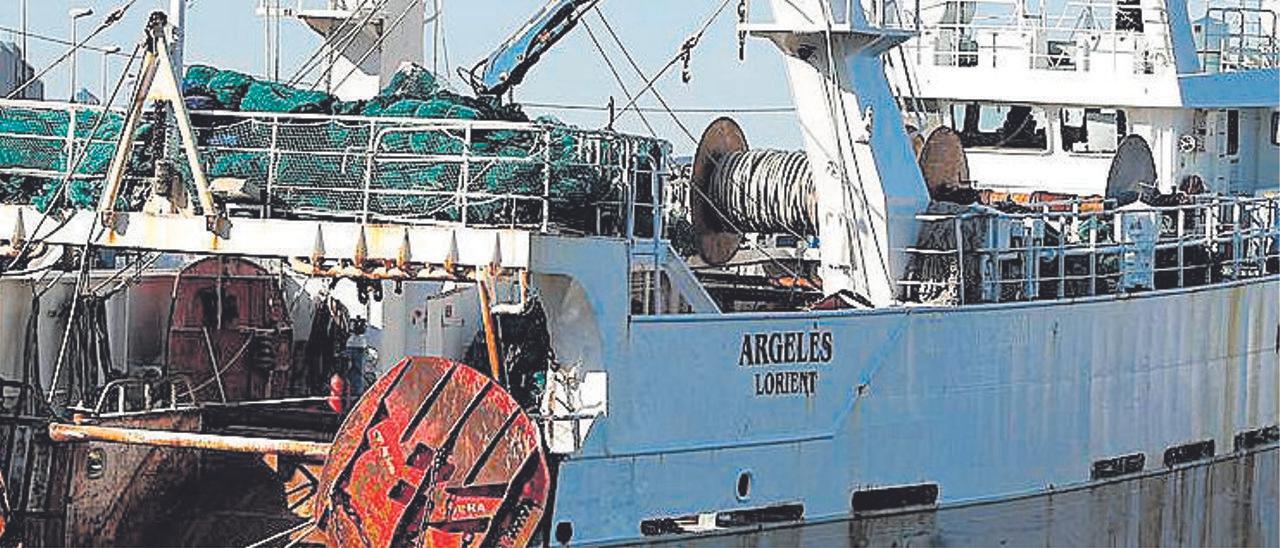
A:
40	147
400	155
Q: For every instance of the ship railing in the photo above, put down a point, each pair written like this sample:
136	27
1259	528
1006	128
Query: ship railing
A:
530	176
1089	35
842	14
986	256
1239	38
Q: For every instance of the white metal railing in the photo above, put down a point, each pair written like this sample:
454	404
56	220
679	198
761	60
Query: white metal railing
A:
389	169
1088	35
1235	37
134	395
842	14
1062	252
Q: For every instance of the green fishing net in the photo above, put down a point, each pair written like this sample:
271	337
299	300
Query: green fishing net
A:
394	162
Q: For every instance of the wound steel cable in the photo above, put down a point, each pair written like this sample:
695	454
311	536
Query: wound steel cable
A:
766	191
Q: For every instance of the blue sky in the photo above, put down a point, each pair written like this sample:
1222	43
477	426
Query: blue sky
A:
227	33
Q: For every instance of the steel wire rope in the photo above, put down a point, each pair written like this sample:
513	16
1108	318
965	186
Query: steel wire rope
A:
439	39
829	20
139	269
616	77
767	191
353	33
909	75
724	217
83	154
82	276
733	226
81	281
685	49
346	35
635	66
90	236
835	103
341	31
676	110
61	41
111	19
376	44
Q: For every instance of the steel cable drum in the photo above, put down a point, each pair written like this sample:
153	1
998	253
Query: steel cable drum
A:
736	190
943	161
434	454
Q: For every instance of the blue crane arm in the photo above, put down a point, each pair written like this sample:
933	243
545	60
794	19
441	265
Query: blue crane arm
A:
506	67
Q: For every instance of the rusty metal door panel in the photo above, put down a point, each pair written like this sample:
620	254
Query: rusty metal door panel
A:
230	311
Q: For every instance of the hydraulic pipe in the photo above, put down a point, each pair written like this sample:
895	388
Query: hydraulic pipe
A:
67	433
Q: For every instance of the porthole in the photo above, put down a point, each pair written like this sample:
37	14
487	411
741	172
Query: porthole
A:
744	485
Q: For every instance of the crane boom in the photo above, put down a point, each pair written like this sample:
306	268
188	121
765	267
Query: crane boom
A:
506	67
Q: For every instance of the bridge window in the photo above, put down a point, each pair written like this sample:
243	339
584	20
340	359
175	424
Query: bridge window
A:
1093	130
1233	132
1007	127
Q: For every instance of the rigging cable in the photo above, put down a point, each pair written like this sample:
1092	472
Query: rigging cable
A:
678	110
84	153
111	19
833	95
61	41
87	250
685	50
617	77
373	47
335	41
636	67
337	51
723	215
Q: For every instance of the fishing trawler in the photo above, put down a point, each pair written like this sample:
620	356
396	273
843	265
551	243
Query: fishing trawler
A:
956	304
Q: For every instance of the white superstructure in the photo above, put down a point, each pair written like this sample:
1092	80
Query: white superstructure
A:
1043	91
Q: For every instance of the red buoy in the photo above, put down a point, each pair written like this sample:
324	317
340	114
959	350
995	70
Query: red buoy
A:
434	454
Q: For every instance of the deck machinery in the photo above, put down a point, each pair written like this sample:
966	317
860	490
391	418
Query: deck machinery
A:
831	328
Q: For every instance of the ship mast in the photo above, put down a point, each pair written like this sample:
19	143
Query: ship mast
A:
178	22
868	185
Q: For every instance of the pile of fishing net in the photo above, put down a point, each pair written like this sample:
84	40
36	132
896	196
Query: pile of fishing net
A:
33	143
332	164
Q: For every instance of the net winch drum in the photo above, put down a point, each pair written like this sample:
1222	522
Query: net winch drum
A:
736	191
943	161
717	244
1132	176
434	454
